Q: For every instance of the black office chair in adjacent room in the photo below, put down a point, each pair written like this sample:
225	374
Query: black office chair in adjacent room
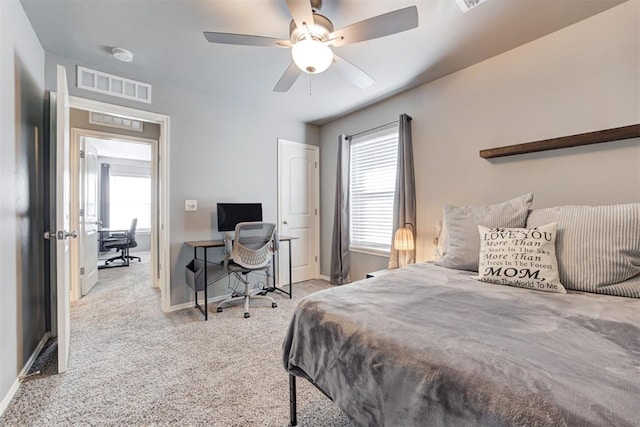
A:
250	249
122	244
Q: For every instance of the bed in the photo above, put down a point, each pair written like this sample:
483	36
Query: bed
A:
430	345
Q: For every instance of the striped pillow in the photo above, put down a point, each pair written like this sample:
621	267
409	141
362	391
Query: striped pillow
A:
460	225
598	247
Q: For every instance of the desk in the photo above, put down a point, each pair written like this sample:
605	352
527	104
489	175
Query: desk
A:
206	244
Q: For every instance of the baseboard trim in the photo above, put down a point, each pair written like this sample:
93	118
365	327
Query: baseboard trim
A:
200	301
323	277
16	384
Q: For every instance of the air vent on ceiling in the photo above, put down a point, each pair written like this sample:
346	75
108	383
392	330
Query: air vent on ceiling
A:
467	5
97	81
115	121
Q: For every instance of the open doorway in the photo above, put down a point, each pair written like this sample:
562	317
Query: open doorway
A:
117	195
160	220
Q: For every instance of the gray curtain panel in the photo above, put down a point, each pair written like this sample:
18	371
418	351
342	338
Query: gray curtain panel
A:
340	255
104	194
404	201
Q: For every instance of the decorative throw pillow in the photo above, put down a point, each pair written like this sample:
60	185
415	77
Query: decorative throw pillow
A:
598	247
461	243
520	257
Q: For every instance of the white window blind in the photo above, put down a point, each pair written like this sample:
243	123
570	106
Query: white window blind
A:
372	182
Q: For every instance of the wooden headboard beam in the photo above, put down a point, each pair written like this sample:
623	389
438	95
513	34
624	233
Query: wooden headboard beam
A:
615	134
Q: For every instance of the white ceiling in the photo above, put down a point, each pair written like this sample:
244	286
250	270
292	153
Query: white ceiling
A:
169	47
121	149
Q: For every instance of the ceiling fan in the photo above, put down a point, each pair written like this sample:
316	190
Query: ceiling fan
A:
312	34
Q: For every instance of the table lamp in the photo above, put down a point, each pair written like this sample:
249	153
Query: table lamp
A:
403	241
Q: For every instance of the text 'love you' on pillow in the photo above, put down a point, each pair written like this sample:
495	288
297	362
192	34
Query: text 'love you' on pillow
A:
520	257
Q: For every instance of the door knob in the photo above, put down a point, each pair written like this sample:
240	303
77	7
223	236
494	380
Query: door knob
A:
285	222
60	235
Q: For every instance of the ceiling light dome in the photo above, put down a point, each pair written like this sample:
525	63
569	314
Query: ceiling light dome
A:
312	56
122	54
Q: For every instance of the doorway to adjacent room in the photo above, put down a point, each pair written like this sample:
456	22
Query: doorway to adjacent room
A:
117	195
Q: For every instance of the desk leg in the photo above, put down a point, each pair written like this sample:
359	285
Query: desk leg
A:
206	283
274	270
275	274
204	310
290	273
195	288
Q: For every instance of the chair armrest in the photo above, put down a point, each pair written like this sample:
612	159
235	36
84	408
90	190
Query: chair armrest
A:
276	241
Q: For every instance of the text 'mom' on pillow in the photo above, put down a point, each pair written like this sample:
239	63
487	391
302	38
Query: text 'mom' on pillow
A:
520	257
598	247
460	226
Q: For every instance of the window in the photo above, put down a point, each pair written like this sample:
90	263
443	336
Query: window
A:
130	198
372	185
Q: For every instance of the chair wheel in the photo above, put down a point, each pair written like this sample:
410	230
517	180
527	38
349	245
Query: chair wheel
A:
247	315
219	309
274	305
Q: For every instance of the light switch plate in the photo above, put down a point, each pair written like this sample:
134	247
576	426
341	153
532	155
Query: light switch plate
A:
190	205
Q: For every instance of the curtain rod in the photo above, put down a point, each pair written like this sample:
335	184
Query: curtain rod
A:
375	128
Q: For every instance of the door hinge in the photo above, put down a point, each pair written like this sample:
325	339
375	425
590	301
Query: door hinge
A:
82	154
81	213
82	271
316	258
316	211
316	164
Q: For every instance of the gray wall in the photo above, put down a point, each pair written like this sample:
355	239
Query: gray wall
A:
218	153
22	301
579	79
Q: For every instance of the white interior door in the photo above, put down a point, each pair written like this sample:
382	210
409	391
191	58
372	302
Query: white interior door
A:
63	209
89	219
298	193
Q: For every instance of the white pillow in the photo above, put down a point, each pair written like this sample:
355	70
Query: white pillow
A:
598	246
520	257
461	243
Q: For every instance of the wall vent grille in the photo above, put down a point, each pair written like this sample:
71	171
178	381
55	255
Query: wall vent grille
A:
97	81
467	5
115	121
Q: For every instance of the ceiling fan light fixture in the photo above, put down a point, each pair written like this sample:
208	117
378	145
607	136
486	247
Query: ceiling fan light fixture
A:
312	56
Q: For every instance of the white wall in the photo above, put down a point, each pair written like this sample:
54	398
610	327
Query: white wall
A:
583	78
218	153
19	50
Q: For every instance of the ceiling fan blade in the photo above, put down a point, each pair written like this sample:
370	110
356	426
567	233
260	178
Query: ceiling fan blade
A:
301	12
288	78
245	39
352	73
378	26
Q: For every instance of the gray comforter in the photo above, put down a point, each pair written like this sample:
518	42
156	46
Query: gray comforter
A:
428	346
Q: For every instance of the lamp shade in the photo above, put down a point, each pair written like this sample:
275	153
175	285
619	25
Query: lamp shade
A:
403	239
312	56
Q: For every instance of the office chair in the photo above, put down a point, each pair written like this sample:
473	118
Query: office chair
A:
249	249
122	243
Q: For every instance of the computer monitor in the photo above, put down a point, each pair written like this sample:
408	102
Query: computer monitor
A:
230	214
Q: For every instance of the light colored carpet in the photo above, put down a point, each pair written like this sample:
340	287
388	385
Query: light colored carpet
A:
131	364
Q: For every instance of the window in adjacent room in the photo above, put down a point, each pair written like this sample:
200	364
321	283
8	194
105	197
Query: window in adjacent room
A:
130	195
373	178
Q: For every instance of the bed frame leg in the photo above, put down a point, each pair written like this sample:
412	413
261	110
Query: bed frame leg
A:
292	399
